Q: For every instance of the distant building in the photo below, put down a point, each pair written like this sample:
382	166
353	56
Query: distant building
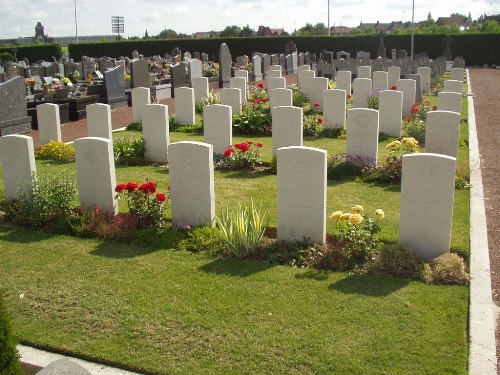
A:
205	34
387	28
267	31
340	30
450	21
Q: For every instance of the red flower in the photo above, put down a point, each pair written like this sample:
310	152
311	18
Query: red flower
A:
160	197
394	87
433	86
148	187
414	109
349	96
320	120
317	105
261	85
242	147
130	187
265	100
417	104
120	187
228	152
434	108
259	145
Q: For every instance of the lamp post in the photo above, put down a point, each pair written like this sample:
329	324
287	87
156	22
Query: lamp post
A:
76	24
412	27
328	17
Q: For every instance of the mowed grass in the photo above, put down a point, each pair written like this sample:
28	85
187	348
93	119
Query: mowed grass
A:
164	311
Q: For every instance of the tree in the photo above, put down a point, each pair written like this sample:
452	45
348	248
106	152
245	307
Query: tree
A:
146	35
166	33
490	26
457	15
310	29
231	31
246	31
9	357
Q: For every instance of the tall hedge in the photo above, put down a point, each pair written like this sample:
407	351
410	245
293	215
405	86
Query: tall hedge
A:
9	357
35	52
477	49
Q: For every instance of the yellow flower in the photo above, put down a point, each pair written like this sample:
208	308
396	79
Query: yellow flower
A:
336	216
355	219
346	216
379	213
358	208
393	145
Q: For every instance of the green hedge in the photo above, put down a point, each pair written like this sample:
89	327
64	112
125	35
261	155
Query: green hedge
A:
35	52
9	357
475	48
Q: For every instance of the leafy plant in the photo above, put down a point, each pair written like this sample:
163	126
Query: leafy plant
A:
56	150
129	151
447	269
9	356
243	155
135	126
212	98
47	199
341	167
298	99
437	85
396	260
242	228
255	118
144	203
356	232
373	99
206	239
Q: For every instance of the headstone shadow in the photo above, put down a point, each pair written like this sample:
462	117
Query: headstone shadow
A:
369	285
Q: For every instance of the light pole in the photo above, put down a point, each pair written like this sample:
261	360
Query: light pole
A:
328	17
76	25
412	27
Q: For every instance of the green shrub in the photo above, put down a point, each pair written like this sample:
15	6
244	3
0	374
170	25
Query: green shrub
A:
298	99
312	125
212	98
243	155
255	118
56	150
339	167
373	100
447	269
206	239
129	151
397	260
46	200
242	228
135	126
9	357
333	133
6	56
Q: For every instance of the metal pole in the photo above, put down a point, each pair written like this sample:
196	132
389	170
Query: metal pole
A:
76	25
328	17
412	27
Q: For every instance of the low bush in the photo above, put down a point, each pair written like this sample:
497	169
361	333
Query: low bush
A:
245	155
396	260
340	167
56	150
206	239
129	151
447	269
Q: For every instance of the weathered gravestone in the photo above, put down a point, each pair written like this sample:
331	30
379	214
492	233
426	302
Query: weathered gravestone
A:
266	64
317	86
178	75
191	171
232	98
362	127
453	86
155	130
105	64
13	107
418	86
380	80
194	70
217	127
280	97
63	366
18	163
301	184
139	73
225	62
95	171
393	75
364	72
114	88
240	83
256	68
276	83
426	210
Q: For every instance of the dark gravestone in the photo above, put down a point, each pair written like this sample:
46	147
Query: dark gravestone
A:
204	58
290	48
89	66
63	366
275	59
307	58
36	70
301	58
289	64
197	55
418	81
327	56
266	64
13	107
105	64
114	89
242	60
51	69
447	49
381	52
178	75
176	52
283	63
139	73
12	70
325	70
71	67
225	62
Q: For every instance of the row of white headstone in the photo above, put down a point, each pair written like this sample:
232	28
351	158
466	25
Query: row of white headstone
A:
426	194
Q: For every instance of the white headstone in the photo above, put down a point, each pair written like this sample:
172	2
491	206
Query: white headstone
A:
380	80
95	170
239	83
344	79
280	97
362	136
287	127
303	78
275	67
317	86
191	171
273	74
334	109
364	72
449	101
301	194
426	211
99	121
361	91
200	87
155	130
442	133
457	74
394	75
184	106
18	162
276	83
195	69
140	97
232	98
257	68
409	89
453	86
241	73
390	112
425	76
218	127
49	124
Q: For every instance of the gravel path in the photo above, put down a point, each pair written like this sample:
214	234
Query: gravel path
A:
485	86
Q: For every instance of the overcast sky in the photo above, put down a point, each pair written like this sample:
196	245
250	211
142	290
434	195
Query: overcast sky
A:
18	18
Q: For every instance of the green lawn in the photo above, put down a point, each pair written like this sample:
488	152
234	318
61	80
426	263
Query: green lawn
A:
165	311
